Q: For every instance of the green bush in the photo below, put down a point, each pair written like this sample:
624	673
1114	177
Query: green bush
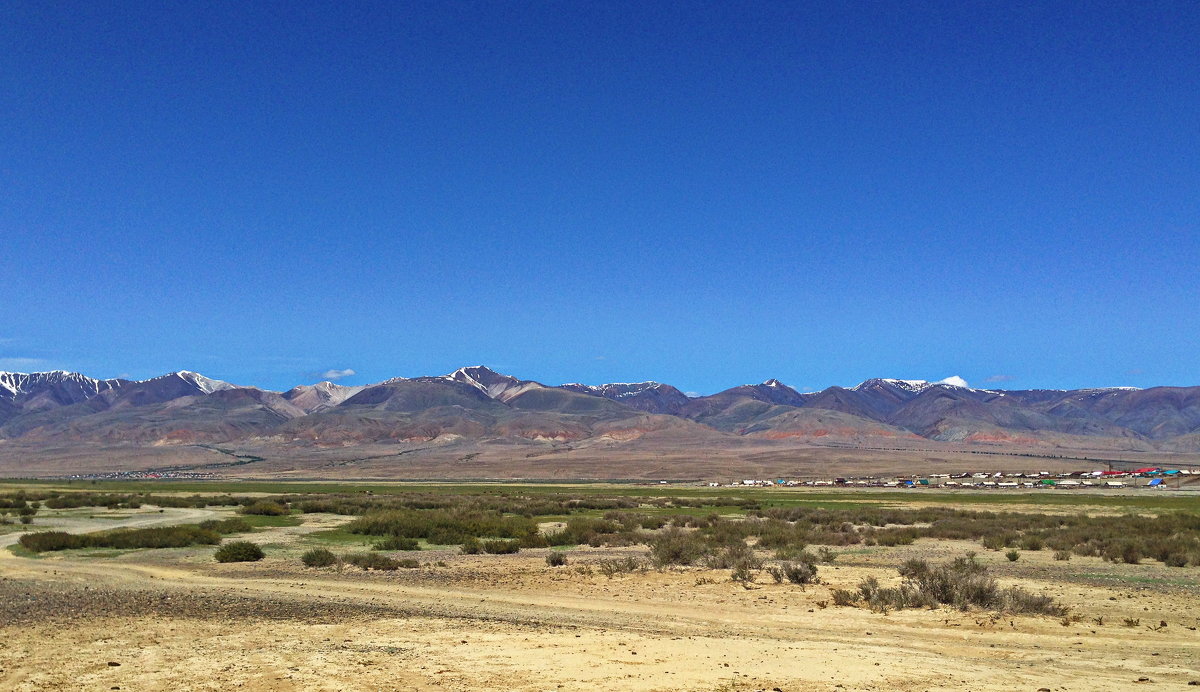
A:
43	541
1031	541
498	547
372	561
223	526
471	546
674	546
397	543
442	526
239	551
1012	555
157	537
556	559
266	508
319	557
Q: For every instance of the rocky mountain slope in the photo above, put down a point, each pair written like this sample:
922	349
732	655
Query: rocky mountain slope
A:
480	406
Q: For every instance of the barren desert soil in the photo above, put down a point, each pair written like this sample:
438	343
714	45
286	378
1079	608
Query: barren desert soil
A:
176	620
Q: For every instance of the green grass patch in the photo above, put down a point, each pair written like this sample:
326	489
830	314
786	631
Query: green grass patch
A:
337	536
21	551
828	498
264	521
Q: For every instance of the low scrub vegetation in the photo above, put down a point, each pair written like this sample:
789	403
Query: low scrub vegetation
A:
442	527
397	543
691	533
500	547
266	508
620	565
158	537
368	561
963	583
239	551
319	557
226	526
801	573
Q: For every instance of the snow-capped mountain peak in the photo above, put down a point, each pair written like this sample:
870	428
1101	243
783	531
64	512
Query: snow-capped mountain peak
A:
206	385
914	386
13	384
495	385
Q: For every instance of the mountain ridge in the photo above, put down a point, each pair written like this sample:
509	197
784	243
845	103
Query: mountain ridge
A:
479	404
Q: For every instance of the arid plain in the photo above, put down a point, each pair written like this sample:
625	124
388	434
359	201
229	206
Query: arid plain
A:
616	615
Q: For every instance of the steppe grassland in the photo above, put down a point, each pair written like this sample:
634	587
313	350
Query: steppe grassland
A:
662	588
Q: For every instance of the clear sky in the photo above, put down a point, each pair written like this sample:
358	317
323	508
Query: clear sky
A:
705	194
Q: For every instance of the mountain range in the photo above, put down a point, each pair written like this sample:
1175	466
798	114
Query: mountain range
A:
479	406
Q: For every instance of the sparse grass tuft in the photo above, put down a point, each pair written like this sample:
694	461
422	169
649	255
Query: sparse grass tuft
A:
319	557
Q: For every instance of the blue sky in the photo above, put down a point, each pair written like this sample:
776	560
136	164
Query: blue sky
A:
705	194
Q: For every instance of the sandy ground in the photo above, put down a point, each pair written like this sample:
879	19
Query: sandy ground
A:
176	620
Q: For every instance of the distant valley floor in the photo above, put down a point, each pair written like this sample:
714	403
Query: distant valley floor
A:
678	460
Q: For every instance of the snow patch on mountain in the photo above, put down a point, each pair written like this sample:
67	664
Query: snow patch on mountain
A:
915	386
13	384
617	390
206	385
495	385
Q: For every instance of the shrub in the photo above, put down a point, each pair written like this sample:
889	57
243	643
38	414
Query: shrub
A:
1062	555
231	525
239	551
826	554
397	543
26	519
51	540
732	556
794	572
499	547
1012	555
844	597
556	559
743	573
408	563
266	508
615	566
675	546
471	546
157	537
442	526
375	561
962	584
319	557
1031	541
